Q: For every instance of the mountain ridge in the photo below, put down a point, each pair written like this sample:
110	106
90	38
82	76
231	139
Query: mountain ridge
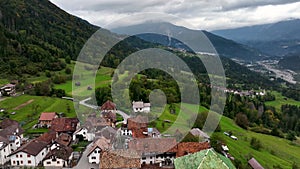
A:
224	47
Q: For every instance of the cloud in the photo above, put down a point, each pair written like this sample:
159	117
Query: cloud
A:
202	14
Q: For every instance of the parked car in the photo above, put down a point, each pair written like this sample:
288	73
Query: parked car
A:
234	138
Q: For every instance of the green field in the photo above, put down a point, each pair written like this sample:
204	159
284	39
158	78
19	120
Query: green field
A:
275	151
25	113
87	78
179	120
281	100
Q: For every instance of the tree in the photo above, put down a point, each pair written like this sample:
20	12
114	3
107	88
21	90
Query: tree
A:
190	138
68	71
291	136
255	143
216	142
242	120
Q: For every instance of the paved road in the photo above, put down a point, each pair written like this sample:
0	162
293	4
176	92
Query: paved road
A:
83	162
83	102
124	115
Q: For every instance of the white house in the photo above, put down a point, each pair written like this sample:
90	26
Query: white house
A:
4	150
154	150
9	89
125	131
98	147
58	157
84	132
10	139
140	106
30	154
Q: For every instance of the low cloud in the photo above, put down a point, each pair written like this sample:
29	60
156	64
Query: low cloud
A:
202	14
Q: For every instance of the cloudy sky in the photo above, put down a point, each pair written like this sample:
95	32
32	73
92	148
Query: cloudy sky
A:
199	14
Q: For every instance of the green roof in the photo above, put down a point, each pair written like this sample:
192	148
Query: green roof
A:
206	159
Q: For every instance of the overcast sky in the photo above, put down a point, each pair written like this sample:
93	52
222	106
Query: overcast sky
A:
200	14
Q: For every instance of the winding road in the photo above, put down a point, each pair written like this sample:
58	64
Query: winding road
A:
124	115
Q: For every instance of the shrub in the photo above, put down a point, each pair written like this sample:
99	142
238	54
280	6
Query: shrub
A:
255	143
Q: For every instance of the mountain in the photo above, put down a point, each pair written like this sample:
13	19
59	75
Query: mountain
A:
290	62
224	47
35	35
277	39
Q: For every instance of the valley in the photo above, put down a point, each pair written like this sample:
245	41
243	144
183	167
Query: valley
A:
58	111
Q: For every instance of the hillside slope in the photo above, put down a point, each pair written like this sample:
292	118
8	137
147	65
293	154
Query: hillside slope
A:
34	34
224	47
277	39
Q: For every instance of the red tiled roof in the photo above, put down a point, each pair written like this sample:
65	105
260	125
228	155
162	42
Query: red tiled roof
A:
153	145
64	124
108	105
185	148
47	116
137	122
47	137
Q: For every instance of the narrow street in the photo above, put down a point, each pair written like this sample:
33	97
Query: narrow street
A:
124	115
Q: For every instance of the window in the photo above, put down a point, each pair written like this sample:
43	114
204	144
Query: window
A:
143	158
99	151
14	162
95	151
4	150
17	156
28	155
57	162
48	162
150	157
42	153
21	156
21	162
29	161
93	158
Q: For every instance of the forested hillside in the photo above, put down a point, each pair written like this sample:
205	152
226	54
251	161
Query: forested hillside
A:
35	34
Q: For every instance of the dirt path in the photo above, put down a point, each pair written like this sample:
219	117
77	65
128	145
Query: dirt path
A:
23	105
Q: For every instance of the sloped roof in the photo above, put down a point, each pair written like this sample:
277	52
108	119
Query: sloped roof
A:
47	116
64	139
199	133
137	122
10	127
47	137
107	132
116	159
138	104
33	147
102	143
184	148
61	152
152	145
254	164
64	124
203	160
8	122
108	105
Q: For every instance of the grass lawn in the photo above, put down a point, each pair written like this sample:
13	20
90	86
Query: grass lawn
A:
25	114
275	151
178	120
87	79
281	100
